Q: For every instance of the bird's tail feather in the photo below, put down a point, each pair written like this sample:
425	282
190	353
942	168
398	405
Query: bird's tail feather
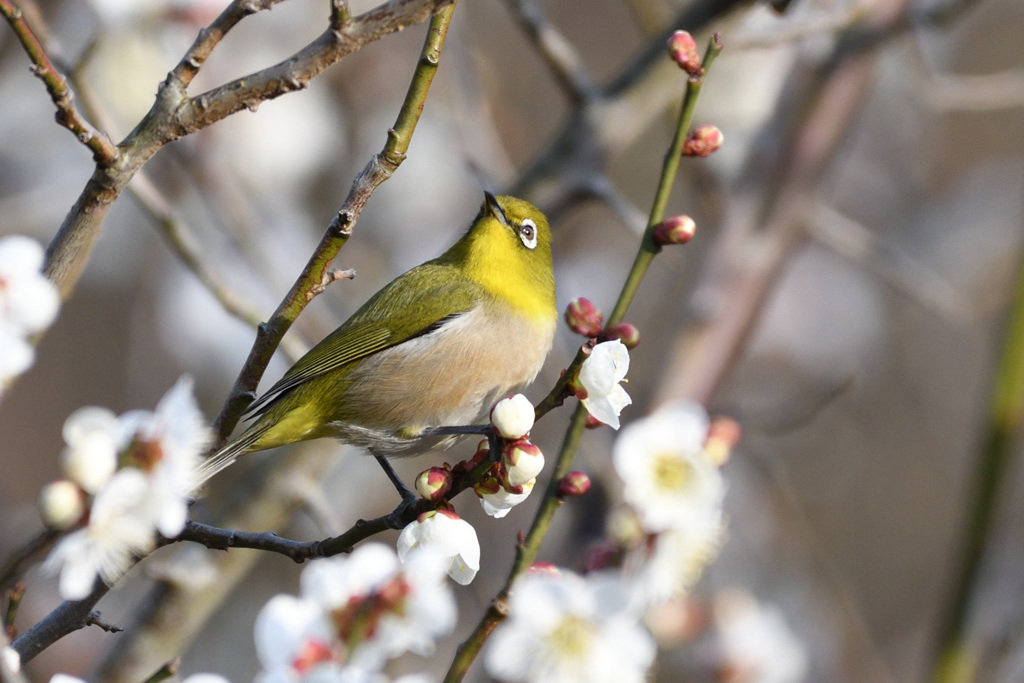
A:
227	455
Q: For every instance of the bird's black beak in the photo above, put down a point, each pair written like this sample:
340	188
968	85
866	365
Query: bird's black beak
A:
494	208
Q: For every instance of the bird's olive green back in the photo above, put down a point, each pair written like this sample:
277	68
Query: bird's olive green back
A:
489	263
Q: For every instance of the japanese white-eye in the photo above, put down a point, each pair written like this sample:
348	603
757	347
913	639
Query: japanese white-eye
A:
435	348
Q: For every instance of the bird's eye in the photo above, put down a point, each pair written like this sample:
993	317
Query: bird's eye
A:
528	233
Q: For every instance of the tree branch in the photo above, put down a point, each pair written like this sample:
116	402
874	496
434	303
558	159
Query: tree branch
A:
103	150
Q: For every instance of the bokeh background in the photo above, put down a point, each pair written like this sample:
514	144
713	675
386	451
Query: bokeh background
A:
862	224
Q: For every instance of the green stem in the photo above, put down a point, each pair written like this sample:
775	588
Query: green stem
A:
526	552
957	660
648	247
381	167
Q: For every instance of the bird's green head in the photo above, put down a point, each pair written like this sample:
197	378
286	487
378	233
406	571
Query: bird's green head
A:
508	251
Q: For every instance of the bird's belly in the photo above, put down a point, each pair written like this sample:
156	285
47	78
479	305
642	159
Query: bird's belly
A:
449	377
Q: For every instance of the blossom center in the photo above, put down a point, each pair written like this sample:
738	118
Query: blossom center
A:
671	472
572	637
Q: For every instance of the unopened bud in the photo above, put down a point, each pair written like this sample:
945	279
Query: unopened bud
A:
675	230
523	461
61	504
723	435
513	416
433	484
627	333
683	50
583	317
574	484
702	141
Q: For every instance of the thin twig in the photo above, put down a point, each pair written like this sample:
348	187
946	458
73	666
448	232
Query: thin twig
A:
526	551
103	150
380	167
562	58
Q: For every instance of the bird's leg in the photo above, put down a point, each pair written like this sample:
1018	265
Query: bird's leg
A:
403	490
493	440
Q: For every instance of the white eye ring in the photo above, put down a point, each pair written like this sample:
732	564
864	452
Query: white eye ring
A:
528	233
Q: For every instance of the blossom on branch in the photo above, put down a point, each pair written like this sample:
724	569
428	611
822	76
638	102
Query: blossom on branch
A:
667	474
563	628
354	614
451	536
140	470
599	382
28	303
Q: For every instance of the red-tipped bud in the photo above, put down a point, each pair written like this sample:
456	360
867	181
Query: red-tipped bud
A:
433	484
627	333
675	230
723	435
583	317
682	48
574	484
702	141
523	461
603	555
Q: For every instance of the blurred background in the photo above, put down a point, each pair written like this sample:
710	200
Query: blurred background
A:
859	237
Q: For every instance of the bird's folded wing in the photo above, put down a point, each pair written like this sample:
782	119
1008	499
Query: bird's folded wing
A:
387	319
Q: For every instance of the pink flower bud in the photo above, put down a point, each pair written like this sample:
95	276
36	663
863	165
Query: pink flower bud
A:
627	333
702	141
675	230
583	317
523	461
723	435
574	484
434	483
513	417
683	50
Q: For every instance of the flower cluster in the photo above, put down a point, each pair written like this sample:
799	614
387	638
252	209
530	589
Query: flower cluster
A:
127	479
567	628
28	303
353	614
562	627
674	489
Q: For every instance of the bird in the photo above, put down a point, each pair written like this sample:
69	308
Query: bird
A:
427	355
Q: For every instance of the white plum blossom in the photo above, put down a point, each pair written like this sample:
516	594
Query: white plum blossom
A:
451	536
354	614
600	377
563	628
61	504
11	659
293	640
513	417
27	299
666	565
168	444
28	303
119	528
194	678
93	437
755	641
158	454
498	502
668	476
